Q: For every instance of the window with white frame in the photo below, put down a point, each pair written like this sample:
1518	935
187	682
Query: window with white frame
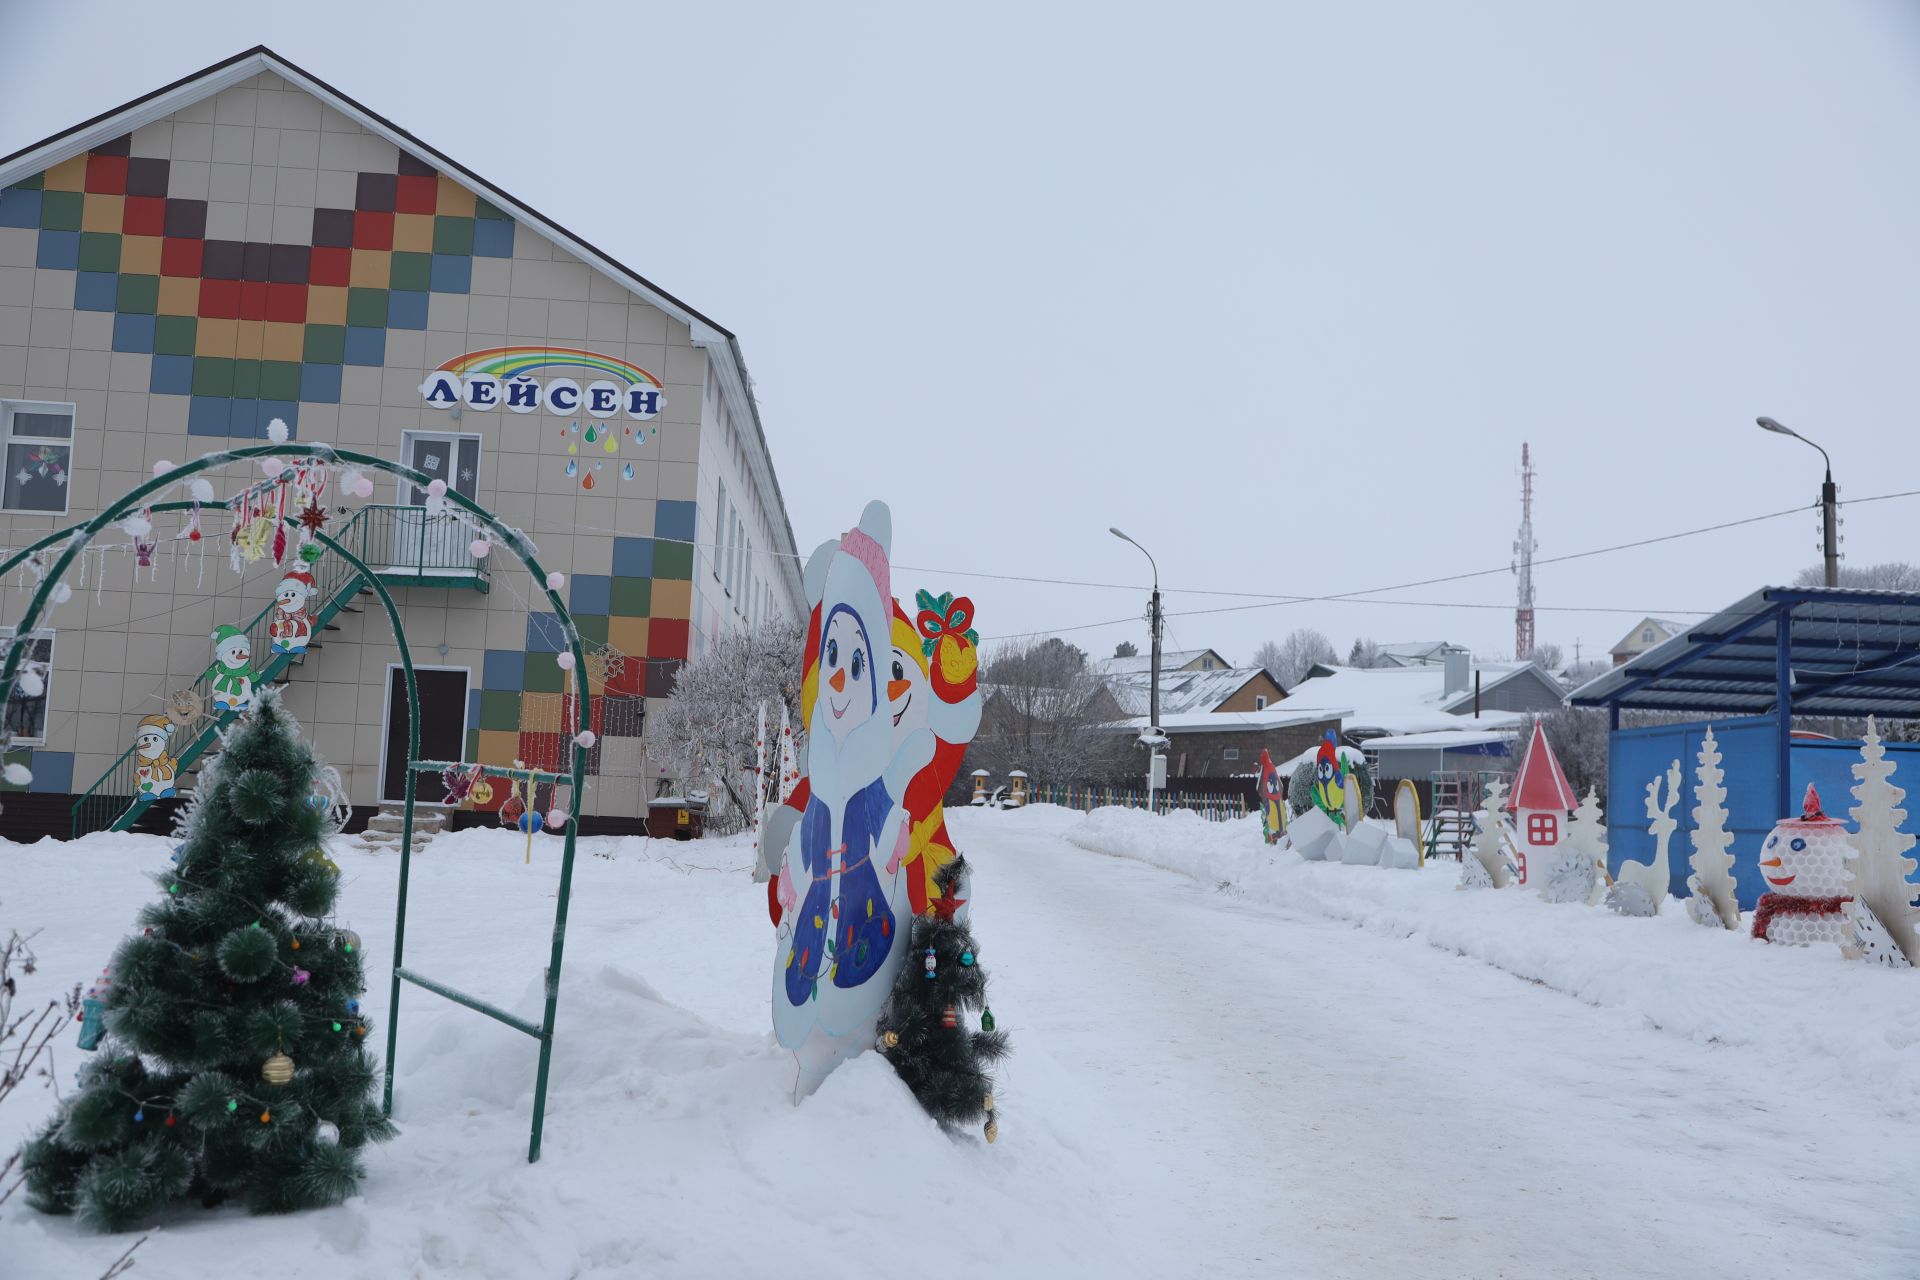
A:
39	456
26	713
721	521
1646	636
1259	702
1230	753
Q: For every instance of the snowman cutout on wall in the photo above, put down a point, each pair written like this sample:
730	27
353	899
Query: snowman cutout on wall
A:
291	627
155	766
231	674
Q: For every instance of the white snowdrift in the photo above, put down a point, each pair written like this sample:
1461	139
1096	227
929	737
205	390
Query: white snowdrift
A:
1829	1023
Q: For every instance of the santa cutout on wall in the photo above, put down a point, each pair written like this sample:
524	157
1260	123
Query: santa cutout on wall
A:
1540	804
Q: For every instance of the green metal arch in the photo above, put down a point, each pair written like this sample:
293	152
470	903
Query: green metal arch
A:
78	538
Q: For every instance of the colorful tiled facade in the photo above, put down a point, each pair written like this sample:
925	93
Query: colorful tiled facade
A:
263	252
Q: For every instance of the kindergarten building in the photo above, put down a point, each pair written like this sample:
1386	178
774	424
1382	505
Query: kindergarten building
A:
250	244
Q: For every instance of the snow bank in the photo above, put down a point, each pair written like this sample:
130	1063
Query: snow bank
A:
1827	1023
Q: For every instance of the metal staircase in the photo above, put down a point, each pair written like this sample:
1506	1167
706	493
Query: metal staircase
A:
404	545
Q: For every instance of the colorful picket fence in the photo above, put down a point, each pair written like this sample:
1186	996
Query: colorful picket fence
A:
1214	808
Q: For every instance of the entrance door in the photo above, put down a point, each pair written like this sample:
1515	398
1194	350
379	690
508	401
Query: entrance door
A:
443	729
423	543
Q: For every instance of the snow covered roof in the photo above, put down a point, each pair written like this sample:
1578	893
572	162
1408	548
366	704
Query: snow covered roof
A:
1542	784
1443	739
1171	660
1401	700
1278	716
1412	653
1181	691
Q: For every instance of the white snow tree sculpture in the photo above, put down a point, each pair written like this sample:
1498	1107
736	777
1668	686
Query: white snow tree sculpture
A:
1489	853
1711	900
1641	887
1877	868
1578	864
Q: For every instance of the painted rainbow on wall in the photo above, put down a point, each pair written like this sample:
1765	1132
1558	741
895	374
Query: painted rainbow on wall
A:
511	362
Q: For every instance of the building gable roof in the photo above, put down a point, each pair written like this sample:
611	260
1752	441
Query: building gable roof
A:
1542	784
720	342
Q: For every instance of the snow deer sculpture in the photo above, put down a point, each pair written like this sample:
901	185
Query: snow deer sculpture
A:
1710	889
1640	887
1884	925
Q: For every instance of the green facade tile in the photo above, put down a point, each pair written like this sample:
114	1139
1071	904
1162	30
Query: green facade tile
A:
592	627
99	251
174	335
673	560
500	710
139	295
453	235
61	210
246	380
543	674
411	271
631	597
326	343
367	308
212	376
280	380
481	209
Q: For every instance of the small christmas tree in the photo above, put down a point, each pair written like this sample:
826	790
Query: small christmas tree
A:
1878	866
1575	868
235	1062
1712	900
923	1029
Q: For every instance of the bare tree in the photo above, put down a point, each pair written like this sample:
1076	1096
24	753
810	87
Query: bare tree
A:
1048	712
26	1038
1547	656
704	732
1894	575
1289	660
1365	654
1579	739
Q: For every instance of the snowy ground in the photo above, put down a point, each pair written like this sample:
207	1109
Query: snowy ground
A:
1215	1073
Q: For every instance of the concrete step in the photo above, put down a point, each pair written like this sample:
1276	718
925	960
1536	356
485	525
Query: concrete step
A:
392	821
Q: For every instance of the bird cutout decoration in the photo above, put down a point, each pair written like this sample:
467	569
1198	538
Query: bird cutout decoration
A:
292	626
1273	804
154	767
231	674
460	782
1640	887
1329	781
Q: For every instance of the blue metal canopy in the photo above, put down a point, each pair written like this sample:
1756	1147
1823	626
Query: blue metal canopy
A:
1785	651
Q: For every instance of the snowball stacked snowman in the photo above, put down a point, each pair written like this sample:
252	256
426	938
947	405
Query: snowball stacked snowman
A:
1804	863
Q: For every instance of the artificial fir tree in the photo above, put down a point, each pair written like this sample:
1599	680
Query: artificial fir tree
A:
923	1027
1877	866
1711	899
235	1062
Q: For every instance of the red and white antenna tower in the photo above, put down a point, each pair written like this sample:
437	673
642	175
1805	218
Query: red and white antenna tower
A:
1523	548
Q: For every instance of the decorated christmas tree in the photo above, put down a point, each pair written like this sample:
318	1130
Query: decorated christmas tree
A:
235	1061
923	1028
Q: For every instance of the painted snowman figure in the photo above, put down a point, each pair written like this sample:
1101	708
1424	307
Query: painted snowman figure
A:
232	672
291	627
934	700
1803	861
155	767
842	888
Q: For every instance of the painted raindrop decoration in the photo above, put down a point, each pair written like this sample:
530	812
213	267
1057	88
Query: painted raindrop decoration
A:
573	468
586	481
626	472
592	435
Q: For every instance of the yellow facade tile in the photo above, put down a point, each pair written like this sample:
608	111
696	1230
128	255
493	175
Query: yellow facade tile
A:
179	296
498	747
326	304
69	175
413	232
371	268
454	200
140	255
540	713
249	339
214	337
102	213
672	598
628	635
283	341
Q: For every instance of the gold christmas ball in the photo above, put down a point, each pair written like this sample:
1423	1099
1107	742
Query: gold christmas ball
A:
988	1103
889	1039
278	1069
482	793
993	1129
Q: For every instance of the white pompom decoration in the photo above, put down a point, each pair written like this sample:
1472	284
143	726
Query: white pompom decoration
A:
479	547
277	431
161	467
564	661
273	466
436	488
365	487
17	775
556	819
138	526
202	490
556	580
585	739
29	684
62	593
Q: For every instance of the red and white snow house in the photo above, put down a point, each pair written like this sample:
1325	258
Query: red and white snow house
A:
1540	803
1832	652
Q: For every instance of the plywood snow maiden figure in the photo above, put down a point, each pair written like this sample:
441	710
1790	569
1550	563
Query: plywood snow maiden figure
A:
154	766
842	888
231	674
291	627
1273	800
1803	863
934	700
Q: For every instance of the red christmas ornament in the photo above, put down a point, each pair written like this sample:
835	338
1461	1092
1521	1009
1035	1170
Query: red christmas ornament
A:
949	1018
313	517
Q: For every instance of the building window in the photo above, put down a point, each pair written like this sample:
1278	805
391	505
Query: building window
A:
722	522
1646	635
26	715
453	456
39	447
1542	828
1230	753
1259	702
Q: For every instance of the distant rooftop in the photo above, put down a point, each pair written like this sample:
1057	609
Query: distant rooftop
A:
1399	700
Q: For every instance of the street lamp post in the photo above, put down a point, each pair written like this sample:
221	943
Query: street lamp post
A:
1153	686
1829	500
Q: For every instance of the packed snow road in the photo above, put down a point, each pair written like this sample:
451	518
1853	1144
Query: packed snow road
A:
1200	1086
1310	1099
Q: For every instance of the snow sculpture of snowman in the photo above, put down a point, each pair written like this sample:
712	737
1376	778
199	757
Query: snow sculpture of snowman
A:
232	672
1803	861
842	888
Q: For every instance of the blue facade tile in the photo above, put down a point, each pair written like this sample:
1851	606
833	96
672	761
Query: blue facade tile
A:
320	383
52	772
544	633
492	237
590	593
93	290
133	333
633	557
209	416
172	375
366	345
673	520
407	309
20	207
58	251
452	273
502	669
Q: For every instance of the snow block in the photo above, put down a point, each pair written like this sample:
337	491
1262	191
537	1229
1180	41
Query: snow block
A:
1400	854
1315	836
1365	846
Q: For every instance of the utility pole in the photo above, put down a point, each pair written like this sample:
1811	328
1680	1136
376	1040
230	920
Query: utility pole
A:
1156	768
1523	548
1829	503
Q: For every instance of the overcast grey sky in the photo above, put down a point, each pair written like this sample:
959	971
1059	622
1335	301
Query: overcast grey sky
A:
1279	289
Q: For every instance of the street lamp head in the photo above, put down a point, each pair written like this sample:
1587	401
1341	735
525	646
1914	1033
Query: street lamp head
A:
1116	533
1769	424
